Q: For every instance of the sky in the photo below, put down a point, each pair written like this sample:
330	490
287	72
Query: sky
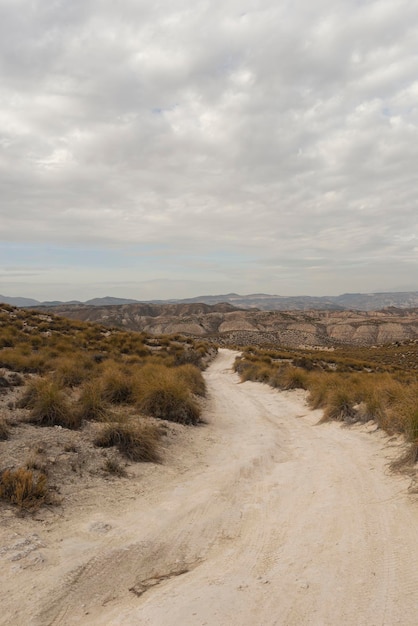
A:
172	149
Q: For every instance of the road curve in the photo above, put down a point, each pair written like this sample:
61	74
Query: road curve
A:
280	522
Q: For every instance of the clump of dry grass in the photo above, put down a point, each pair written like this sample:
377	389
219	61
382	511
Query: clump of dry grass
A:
340	405
117	384
90	404
404	411
320	385
169	401
192	376
23	487
50	406
113	466
408	458
255	371
71	371
4	430
37	461
277	375
28	398
137	441
184	355
293	378
21	359
163	393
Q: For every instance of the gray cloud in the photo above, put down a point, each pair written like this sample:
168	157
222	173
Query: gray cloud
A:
283	133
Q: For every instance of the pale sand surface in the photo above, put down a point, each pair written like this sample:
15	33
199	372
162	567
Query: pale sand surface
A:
265	518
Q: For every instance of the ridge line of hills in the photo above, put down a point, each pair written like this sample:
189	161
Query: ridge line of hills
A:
226	324
261	301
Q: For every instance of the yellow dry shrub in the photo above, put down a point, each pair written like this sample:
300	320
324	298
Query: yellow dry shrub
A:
71	371
23	487
163	393
50	405
91	404
4	430
117	384
193	378
137	441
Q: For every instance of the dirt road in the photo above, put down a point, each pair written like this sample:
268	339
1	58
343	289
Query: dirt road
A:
272	520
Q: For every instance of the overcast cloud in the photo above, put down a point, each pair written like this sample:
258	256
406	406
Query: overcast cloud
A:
181	148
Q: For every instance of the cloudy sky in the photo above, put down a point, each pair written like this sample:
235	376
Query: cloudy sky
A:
176	148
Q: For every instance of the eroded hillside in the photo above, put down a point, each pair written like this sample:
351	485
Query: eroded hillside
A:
228	324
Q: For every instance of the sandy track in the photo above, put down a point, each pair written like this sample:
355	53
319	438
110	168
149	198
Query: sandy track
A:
273	521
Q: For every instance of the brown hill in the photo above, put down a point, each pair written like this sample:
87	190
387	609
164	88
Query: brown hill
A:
228	324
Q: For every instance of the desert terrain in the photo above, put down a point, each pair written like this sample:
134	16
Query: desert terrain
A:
228	325
259	516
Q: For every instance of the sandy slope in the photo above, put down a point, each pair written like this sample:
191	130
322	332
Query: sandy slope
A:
268	519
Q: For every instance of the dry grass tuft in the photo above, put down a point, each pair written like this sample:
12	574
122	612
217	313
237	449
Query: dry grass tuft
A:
340	406
409	458
136	441
23	487
71	371
294	378
192	376
50	406
4	430
169	399
163	393
404	411
113	466
117	385
91	405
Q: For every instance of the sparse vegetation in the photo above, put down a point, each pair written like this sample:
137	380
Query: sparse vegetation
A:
137	441
192	376
73	373
50	406
91	404
37	461
4	430
348	388
113	466
164	394
23	487
117	384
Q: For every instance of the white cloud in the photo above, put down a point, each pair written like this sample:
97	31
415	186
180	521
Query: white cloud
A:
261	128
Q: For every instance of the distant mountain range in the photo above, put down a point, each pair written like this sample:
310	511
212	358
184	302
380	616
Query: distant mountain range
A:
29	302
262	301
